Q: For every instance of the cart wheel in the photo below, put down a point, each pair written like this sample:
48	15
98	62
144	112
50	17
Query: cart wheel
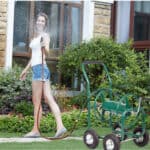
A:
141	140
91	139
116	128
111	142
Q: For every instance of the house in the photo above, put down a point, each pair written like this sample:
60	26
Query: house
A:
71	22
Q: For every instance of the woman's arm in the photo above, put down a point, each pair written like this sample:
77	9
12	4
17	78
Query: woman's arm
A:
25	71
28	66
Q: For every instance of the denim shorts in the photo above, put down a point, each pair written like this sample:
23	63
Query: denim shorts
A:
40	73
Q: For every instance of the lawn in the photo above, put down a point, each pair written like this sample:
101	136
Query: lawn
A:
63	144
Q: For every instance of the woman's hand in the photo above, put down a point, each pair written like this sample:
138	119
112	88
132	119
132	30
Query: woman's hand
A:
45	43
23	75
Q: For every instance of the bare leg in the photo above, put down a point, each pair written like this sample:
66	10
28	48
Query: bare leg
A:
36	98
53	105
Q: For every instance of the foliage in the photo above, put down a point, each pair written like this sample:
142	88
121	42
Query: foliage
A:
80	101
48	124
127	68
15	95
61	97
12	90
24	107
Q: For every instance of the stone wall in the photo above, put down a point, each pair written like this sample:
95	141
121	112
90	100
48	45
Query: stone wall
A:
102	18
3	24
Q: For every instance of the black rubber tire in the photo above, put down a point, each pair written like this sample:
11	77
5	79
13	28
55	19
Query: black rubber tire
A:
91	139
117	127
144	139
113	140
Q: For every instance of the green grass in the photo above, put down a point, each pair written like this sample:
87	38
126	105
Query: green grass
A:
64	144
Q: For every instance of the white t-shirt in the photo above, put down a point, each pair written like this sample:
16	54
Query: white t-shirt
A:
36	57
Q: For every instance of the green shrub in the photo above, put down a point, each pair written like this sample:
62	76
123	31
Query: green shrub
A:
25	108
127	68
80	101
48	124
12	90
61	97
16	124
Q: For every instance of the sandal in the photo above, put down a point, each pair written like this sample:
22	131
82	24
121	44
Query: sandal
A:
32	135
60	132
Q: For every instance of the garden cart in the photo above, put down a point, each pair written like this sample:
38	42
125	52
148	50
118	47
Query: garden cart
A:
126	121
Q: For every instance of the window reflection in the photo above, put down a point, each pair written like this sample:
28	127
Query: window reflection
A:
21	27
141	20
63	30
75	21
53	12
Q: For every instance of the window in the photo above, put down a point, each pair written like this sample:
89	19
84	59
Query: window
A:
65	26
72	24
21	27
140	24
141	21
53	11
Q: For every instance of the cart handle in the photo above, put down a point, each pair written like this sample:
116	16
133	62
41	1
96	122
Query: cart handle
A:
95	62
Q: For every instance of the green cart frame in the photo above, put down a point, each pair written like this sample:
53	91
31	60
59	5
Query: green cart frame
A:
108	107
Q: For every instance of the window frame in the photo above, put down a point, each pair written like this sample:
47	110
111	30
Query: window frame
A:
113	19
136	44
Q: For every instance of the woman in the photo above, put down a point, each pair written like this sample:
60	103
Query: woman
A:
41	76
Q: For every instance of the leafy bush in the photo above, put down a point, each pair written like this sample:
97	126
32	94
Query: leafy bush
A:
48	124
24	107
16	124
12	90
80	101
16	95
61	97
127	68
